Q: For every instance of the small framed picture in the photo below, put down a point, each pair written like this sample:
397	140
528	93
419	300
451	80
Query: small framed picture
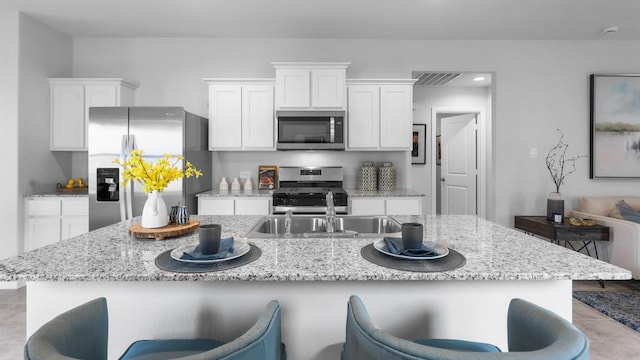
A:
267	177
418	148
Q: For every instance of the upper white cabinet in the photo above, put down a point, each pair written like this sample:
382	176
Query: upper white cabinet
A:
241	115
310	85
71	99
380	114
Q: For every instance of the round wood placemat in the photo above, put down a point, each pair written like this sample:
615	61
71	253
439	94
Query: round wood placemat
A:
171	230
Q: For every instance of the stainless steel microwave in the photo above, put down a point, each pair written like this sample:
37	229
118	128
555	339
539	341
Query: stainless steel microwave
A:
311	130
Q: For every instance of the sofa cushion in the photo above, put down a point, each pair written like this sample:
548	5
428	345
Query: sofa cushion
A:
627	212
602	205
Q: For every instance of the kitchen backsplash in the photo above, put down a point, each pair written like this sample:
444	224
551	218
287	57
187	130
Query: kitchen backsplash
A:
231	163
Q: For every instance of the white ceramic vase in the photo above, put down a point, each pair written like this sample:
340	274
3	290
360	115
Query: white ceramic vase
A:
154	212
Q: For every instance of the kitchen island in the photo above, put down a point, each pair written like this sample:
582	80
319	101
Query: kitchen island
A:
311	277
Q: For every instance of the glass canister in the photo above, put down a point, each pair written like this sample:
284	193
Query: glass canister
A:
368	176
386	177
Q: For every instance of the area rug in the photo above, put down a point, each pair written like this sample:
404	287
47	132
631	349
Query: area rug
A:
622	306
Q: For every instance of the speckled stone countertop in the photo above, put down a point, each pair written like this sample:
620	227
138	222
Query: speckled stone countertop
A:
54	195
493	252
398	193
218	193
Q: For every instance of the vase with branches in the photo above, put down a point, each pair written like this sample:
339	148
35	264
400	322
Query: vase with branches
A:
560	165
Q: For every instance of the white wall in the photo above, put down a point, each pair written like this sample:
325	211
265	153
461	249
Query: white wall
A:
9	211
30	52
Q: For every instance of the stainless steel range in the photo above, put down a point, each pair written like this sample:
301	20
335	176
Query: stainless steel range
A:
303	190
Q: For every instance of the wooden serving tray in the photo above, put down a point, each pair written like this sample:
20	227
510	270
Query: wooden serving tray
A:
75	190
162	233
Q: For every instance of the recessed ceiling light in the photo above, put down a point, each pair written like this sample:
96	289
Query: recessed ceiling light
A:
479	78
610	30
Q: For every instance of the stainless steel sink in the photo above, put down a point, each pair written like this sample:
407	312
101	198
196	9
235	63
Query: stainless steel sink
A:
316	225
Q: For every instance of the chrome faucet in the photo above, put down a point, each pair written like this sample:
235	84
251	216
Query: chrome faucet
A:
287	222
331	213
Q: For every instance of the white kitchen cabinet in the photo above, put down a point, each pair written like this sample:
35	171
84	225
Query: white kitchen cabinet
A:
241	114
310	85
386	206
234	205
71	99
54	218
380	114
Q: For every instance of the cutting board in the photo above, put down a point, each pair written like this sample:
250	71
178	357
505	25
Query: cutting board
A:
171	230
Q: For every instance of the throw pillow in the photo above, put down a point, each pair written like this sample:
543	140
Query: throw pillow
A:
627	212
615	212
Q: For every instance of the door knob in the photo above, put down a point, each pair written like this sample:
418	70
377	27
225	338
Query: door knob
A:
442	179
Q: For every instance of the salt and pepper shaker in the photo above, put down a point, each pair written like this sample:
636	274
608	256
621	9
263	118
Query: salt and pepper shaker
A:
224	185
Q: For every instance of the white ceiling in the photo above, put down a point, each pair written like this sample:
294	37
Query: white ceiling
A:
333	19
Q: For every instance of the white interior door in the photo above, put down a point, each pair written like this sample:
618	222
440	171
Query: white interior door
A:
459	166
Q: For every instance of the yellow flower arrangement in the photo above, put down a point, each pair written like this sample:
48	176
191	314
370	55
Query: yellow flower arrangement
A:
154	176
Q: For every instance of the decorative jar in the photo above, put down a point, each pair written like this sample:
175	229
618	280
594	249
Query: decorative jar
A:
386	177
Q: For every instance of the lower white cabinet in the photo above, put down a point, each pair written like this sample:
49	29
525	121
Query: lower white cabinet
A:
51	219
234	205
386	206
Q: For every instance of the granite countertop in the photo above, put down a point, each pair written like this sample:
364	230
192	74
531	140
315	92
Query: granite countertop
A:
54	195
250	193
376	193
492	251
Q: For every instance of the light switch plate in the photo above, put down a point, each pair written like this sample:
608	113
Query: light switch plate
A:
534	153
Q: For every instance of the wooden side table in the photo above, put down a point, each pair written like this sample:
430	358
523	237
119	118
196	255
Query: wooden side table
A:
539	225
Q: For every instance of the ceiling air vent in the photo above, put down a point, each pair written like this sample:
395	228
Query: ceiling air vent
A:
434	79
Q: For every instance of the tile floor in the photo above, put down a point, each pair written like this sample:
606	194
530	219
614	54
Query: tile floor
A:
610	340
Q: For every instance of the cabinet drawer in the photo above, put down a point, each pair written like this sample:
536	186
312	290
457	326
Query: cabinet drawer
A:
44	207
252	207
215	207
75	207
367	207
404	206
583	234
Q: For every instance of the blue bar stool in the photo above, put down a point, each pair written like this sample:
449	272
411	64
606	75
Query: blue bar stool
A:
534	333
81	334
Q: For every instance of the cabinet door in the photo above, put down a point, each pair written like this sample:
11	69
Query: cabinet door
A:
404	206
225	117
252	206
367	206
68	127
257	117
327	88
75	207
74	226
41	231
292	88
215	206
396	106
364	117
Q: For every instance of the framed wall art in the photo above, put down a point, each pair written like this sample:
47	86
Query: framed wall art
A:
418	149
615	126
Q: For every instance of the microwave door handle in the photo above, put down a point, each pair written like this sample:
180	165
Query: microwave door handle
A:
332	130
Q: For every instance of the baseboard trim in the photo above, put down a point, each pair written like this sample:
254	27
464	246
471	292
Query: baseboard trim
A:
11	285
